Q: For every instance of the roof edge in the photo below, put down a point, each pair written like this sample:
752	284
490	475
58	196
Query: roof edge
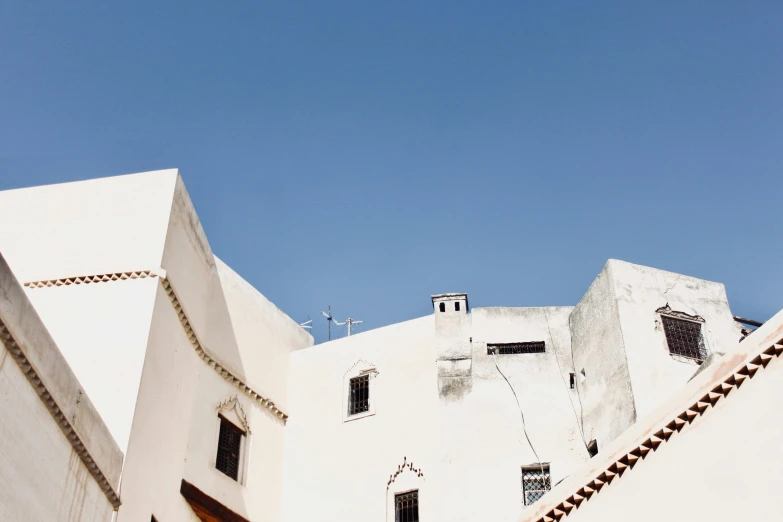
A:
701	393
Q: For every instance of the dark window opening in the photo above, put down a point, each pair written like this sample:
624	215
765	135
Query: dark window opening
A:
515	348
406	507
442	307
592	448
572	378
535	482
359	395
153	519
684	338
229	446
456	306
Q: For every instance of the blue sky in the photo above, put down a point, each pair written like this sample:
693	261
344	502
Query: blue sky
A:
369	154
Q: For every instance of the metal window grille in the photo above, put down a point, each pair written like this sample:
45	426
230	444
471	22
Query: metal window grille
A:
229	445
684	338
406	507
515	348
535	482
359	400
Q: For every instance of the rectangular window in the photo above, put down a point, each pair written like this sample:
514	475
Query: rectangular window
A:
515	348
535	482
406	507
359	395
229	446
684	338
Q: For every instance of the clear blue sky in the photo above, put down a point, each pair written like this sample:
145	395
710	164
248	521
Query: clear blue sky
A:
369	154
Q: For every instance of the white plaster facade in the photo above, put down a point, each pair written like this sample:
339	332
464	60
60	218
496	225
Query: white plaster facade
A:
164	337
58	461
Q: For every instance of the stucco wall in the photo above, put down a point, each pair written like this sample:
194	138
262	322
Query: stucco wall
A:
101	226
157	450
640	291
724	467
180	393
41	476
89	227
605	389
482	446
338	470
265	335
104	341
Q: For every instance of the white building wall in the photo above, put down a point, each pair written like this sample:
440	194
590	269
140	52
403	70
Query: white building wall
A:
723	467
102	331
640	291
88	227
158	447
604	384
338	470
482	445
102	226
175	428
41	476
49	429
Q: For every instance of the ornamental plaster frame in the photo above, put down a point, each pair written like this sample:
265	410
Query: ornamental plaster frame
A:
667	311
232	411
358	369
406	478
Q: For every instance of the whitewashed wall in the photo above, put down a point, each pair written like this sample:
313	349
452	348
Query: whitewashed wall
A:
724	467
41	476
176	422
103	226
338	470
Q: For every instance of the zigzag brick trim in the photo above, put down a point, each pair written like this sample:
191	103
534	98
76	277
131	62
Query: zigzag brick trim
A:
745	370
207	358
85	280
118	276
58	415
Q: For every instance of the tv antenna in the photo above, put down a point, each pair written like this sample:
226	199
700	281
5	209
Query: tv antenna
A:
329	320
349	322
307	325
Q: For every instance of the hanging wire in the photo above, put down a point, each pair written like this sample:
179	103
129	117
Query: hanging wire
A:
578	395
524	428
560	371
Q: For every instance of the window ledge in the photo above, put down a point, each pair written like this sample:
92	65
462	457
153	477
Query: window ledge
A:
358	416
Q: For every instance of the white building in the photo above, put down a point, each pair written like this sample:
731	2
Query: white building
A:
226	411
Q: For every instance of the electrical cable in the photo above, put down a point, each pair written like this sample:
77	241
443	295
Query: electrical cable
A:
560	371
578	396
524	428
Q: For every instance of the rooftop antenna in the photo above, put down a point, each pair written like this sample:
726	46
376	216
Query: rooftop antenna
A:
307	325
349	322
329	320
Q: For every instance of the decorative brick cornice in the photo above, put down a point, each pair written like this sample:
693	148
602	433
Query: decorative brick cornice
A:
85	280
655	437
200	350
62	420
211	361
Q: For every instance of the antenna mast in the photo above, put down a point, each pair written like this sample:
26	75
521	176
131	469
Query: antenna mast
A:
329	320
349	322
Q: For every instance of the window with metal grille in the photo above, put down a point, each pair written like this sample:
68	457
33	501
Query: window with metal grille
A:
684	338
359	395
406	507
515	348
535	482
229	446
